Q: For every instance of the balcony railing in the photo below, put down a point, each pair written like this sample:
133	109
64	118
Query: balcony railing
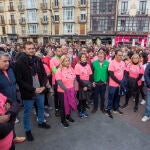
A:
22	21
21	7
33	32
82	20
81	4
1	9
11	8
43	6
55	5
2	22
12	21
142	12
45	31
123	12
44	21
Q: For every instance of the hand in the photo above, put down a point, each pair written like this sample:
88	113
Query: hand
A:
37	90
7	106
85	89
4	118
94	84
42	89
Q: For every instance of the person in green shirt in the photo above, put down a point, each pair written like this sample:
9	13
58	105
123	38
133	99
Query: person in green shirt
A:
100	77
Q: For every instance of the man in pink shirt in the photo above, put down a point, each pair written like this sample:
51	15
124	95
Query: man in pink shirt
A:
116	73
54	64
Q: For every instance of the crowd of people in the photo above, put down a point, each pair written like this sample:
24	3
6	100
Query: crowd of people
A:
76	75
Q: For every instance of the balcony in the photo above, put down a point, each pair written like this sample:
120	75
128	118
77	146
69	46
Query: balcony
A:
21	8
123	12
44	21
82	4
45	31
82	20
1	9
55	5
2	22
43	6
11	8
12	21
142	12
33	32
22	21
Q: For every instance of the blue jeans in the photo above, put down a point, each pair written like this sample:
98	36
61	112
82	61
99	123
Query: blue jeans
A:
28	105
113	98
99	89
147	110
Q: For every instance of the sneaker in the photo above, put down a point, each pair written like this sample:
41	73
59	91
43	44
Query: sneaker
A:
85	114
17	120
68	118
29	136
143	102
19	139
48	107
44	125
57	114
80	115
108	113
65	124
46	114
117	112
145	118
44	120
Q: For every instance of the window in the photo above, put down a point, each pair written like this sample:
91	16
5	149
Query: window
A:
1	18
142	6
13	29
68	14
23	30
23	18
68	2
3	30
31	3
56	3
124	6
82	2
12	17
45	17
56	17
68	28
1	6
21	3
32	16
45	29
82	15
33	28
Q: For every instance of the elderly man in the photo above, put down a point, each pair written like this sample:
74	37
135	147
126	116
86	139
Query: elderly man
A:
8	83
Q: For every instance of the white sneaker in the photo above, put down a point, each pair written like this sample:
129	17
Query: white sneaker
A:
17	120
143	102
145	118
46	114
38	120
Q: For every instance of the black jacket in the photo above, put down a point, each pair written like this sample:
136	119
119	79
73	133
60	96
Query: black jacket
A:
24	76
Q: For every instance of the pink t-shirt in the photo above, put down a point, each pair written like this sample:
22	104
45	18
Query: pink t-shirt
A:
118	69
54	63
67	75
83	71
135	70
47	70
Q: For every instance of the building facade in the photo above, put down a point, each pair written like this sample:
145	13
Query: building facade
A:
133	22
103	17
44	20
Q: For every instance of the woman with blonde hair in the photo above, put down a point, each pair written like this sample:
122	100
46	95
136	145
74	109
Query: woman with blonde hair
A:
135	72
66	80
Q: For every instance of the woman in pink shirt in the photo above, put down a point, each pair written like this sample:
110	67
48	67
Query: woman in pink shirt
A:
66	80
84	77
134	73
